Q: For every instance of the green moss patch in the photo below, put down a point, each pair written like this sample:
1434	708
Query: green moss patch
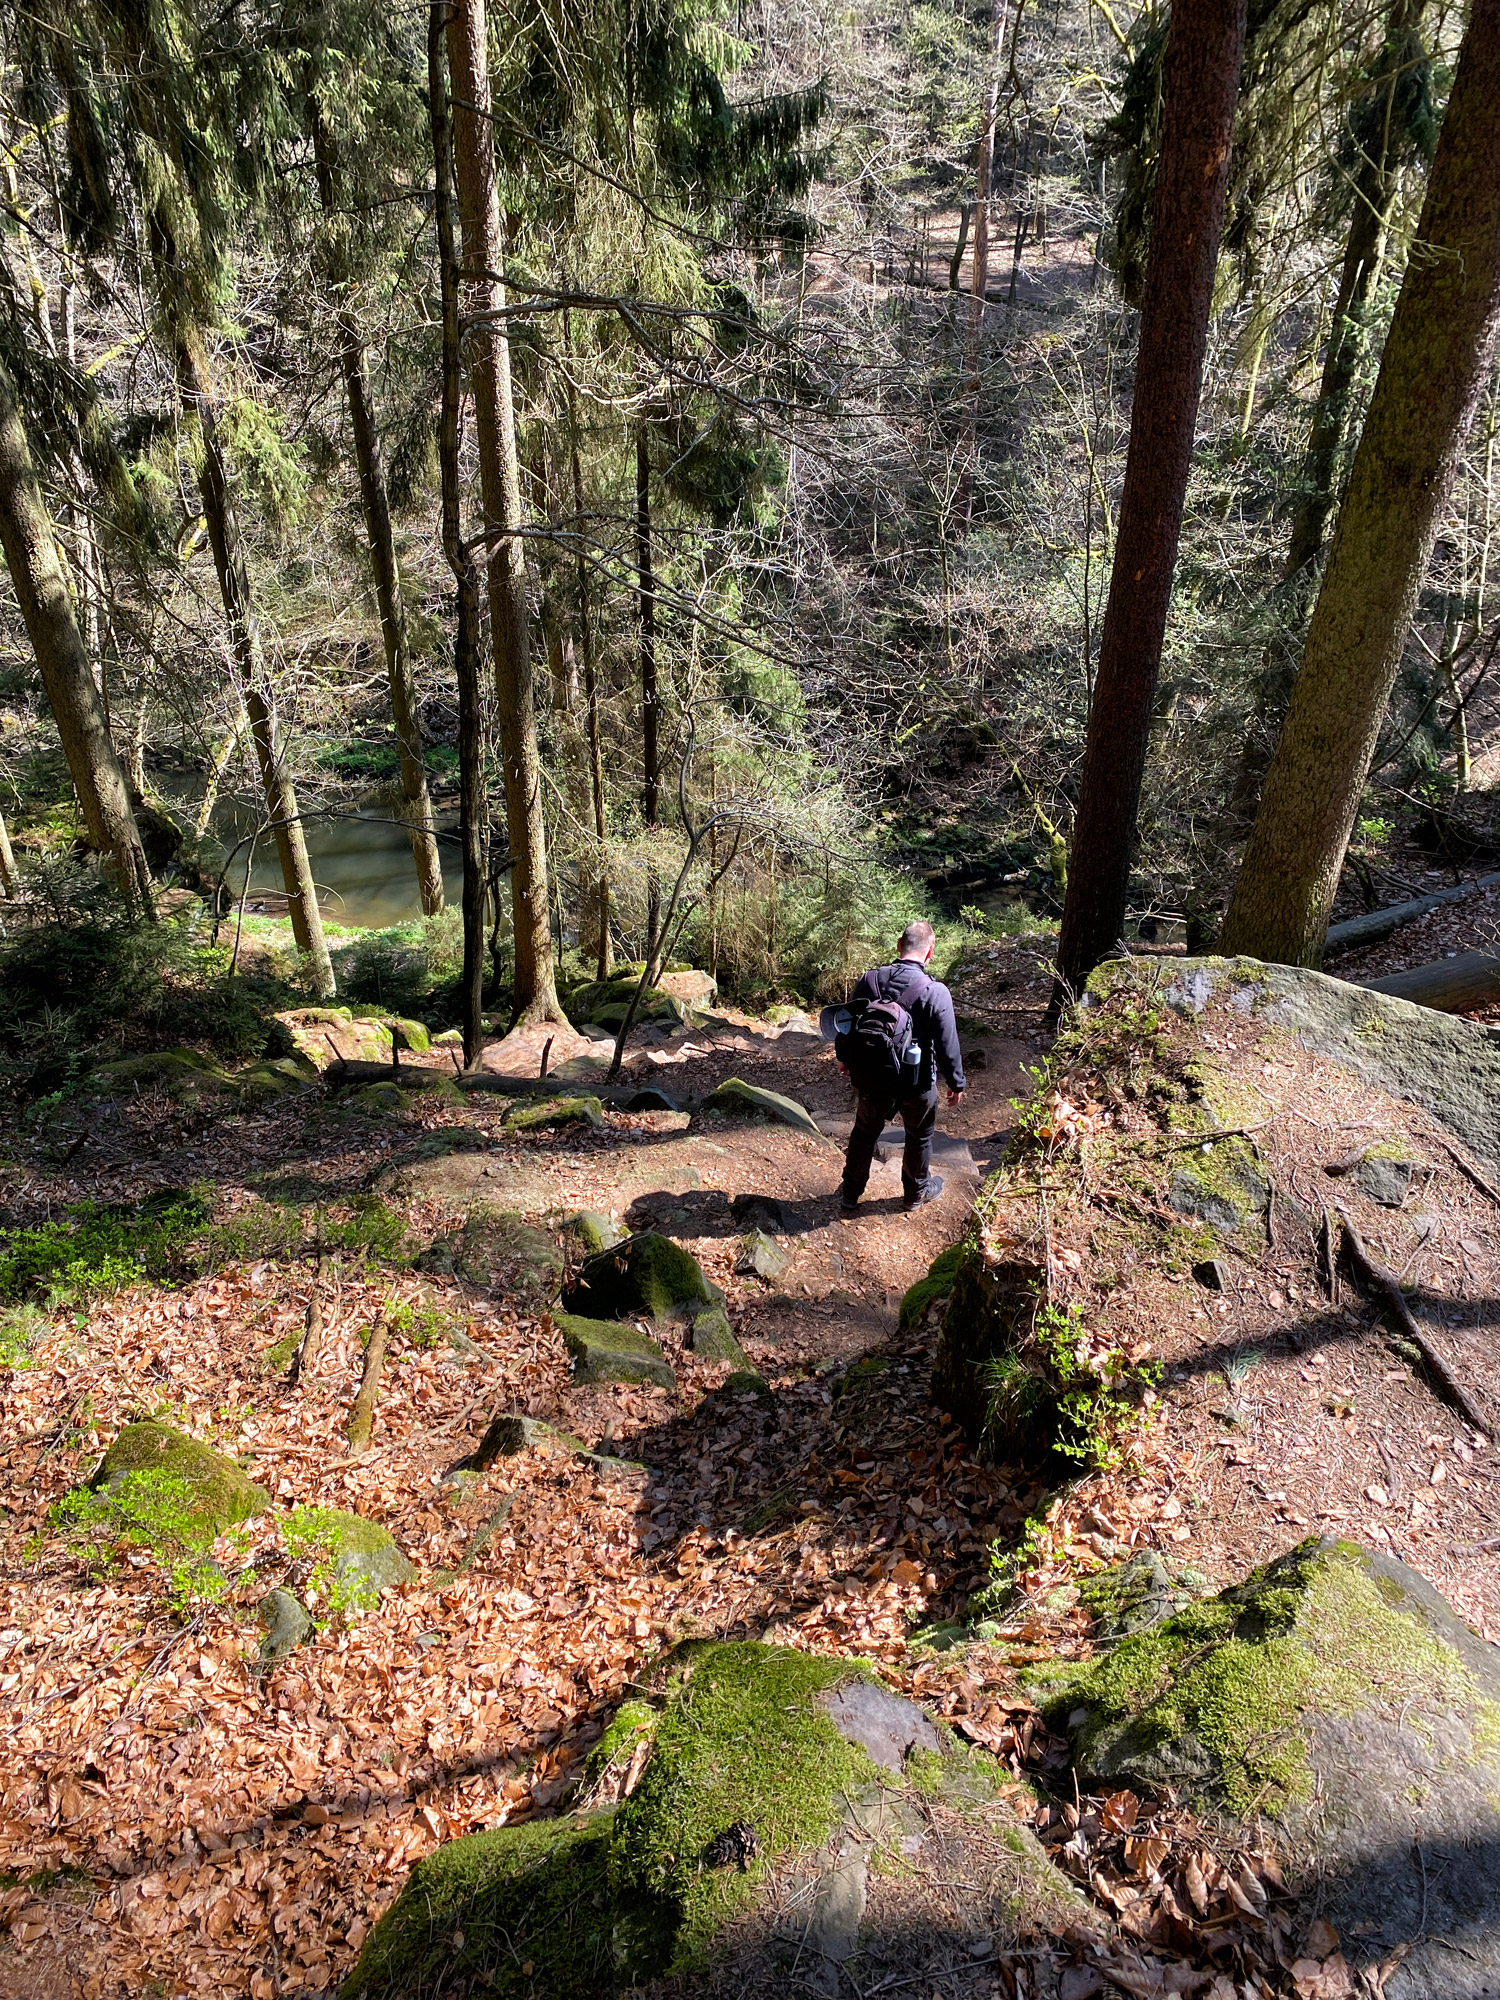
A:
646	1274
928	1291
219	1494
558	1111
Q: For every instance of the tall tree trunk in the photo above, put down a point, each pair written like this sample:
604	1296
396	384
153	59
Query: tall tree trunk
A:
956	261
500	484
979	276
650	687
466	640
416	801
1199	87
1436	362
30	545
604	953
8	878
1375	184
244	633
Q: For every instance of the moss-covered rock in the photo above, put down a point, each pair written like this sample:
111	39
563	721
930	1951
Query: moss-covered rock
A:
556	1112
210	1492
931	1290
606	1351
742	1753
1220	1183
286	1076
595	1231
498	1248
187	1077
645	1274
735	1098
353	1560
713	1338
1134	1595
992	1305
286	1626
1334	1691
761	1256
328	1034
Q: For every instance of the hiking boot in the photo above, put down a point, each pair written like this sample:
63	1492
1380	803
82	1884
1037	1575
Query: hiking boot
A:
929	1191
848	1203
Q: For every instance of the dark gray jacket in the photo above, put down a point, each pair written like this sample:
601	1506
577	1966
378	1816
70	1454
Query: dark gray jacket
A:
931	1008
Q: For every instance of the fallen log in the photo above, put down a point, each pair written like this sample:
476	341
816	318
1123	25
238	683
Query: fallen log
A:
1444	1381
1355	931
362	1412
1452	985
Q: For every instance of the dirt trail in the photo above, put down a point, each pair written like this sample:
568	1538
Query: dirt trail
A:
206	1828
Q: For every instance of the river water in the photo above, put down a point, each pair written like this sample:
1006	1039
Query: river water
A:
362	865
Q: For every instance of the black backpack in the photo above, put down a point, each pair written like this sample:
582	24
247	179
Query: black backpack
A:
877	1048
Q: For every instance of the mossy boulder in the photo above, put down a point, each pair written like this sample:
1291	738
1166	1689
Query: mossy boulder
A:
558	1111
606	1351
379	1100
353	1560
801	1753
284	1076
604	1003
646	1274
735	1098
1335	1692
1221	1183
209	1492
328	1034
497	1248
286	1626
187	1077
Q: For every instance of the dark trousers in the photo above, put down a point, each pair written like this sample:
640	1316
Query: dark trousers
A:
918	1113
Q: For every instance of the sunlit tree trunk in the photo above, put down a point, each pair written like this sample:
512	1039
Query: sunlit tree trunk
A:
1375	184
1199	87
603	949
416	801
500	483
466	642
233	573
1436	363
30	544
650	685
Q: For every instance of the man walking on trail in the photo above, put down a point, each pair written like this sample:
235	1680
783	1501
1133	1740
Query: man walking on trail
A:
895	1038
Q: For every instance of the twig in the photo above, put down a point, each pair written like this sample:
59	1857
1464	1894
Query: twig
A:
1444	1380
1471	1173
362	1415
1212	1138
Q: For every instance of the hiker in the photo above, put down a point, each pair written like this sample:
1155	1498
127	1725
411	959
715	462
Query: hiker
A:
900	1036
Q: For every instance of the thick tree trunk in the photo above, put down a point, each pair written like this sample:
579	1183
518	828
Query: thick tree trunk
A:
244	633
466	641
1375	185
500	483
416	801
1436	362
1200	85
8	878
30	545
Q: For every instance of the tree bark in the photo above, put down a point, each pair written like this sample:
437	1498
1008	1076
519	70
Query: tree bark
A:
1200	86
466	642
1436	362
1375	184
979	276
603	955
500	485
30	545
416	801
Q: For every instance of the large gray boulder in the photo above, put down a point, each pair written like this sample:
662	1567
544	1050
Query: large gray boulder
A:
1438	1060
1337	1694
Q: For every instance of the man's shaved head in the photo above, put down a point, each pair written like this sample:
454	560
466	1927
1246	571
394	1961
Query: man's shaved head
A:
917	939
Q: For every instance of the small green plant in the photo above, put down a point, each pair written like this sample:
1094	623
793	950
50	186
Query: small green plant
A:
422	1325
1088	1391
974	920
21	1327
1373	832
316	1536
150	1510
94	1249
